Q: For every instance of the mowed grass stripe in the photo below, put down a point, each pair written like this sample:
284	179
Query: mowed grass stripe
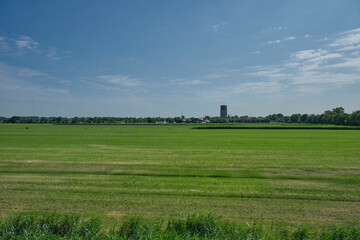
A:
350	178
208	186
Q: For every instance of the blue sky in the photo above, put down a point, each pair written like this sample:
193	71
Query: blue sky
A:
163	58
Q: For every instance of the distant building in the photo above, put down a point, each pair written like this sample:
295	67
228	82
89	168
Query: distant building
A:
223	111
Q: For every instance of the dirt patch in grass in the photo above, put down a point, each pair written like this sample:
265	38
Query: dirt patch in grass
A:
8	162
32	161
132	163
115	214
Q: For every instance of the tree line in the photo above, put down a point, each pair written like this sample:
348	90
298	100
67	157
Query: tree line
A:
336	116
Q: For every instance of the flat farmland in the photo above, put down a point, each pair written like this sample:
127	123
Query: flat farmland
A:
296	176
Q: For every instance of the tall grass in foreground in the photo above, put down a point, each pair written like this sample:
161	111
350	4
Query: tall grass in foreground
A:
193	226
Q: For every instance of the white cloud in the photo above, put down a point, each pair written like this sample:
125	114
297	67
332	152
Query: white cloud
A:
313	59
25	42
277	28
307	54
307	36
274	41
24	45
281	40
52	54
312	55
120	80
256	52
350	48
356	30
218	27
349	40
323	39
315	70
353	63
305	76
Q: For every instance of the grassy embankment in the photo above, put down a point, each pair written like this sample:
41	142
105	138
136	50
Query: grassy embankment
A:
294	176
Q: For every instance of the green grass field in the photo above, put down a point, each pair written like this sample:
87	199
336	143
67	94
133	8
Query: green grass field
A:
294	176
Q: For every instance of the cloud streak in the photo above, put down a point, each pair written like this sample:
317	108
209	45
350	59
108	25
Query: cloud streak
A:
21	82
290	38
120	80
185	82
349	40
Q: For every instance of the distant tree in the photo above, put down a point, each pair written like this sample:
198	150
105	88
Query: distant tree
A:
328	117
75	120
170	120
295	118
354	118
304	118
312	118
150	120
14	119
58	120
339	110
178	119
44	120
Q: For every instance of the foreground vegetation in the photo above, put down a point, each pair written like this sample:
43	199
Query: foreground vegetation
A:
293	176
194	226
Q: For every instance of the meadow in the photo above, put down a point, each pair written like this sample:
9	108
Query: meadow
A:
293	176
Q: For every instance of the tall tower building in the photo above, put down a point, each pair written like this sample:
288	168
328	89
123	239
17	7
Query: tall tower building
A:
223	111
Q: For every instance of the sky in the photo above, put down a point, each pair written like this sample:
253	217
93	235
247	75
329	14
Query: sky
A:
138	58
